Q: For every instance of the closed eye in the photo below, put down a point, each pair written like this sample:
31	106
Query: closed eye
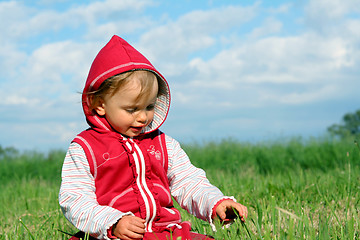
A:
131	110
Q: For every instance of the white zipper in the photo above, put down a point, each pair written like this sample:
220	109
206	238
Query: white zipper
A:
142	185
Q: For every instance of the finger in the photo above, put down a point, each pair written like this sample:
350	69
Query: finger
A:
132	232
139	219
229	213
136	226
242	212
130	227
137	229
129	235
245	212
138	222
221	213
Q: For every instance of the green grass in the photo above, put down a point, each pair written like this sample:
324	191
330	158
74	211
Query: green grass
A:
293	190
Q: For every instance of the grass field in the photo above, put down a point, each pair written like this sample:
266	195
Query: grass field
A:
293	190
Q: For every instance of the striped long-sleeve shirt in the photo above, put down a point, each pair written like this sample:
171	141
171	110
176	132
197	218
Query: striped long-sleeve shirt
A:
188	185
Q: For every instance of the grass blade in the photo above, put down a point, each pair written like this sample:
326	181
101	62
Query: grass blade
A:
27	229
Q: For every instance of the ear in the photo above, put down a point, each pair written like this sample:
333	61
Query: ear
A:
100	109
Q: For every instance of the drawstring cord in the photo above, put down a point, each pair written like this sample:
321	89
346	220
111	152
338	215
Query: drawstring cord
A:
130	141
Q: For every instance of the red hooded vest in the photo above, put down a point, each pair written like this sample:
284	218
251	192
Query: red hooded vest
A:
130	174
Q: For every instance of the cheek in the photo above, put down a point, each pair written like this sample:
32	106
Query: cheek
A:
122	118
126	118
151	115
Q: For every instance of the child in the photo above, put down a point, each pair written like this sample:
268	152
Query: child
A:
119	175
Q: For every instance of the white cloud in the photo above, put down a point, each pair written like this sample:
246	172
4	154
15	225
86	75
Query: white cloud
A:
306	59
326	16
49	73
52	60
192	32
14	15
10	60
270	26
283	8
297	97
18	100
19	21
331	9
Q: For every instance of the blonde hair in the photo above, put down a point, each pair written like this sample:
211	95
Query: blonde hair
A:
111	85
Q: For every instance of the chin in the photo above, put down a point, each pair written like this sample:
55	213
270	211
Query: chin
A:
132	135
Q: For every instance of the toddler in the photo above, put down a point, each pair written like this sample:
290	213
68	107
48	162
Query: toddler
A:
119	175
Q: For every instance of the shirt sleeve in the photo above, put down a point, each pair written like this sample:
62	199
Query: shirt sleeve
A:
77	196
189	185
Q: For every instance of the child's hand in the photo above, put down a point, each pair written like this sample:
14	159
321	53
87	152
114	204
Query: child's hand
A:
226	211
129	227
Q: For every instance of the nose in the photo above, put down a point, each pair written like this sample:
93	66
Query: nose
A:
142	117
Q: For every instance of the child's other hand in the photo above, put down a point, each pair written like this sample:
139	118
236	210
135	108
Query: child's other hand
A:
226	211
129	227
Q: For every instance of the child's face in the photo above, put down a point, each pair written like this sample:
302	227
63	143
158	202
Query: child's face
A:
127	114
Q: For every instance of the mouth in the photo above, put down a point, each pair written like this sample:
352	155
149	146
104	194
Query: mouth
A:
137	129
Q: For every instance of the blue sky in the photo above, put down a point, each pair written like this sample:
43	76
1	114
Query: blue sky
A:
249	70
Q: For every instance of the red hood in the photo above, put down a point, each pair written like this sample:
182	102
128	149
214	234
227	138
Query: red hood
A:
118	56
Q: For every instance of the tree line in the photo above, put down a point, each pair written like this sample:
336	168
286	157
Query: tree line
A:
349	126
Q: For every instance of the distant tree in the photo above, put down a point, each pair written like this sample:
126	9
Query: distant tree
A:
8	152
350	126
